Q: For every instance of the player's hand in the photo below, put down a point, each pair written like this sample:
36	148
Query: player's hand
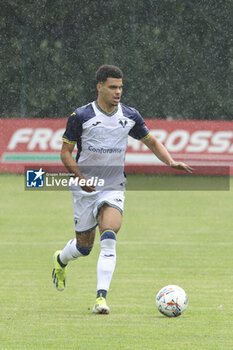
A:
87	188
182	166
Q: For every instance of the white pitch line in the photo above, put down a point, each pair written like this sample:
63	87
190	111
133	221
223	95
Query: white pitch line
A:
142	243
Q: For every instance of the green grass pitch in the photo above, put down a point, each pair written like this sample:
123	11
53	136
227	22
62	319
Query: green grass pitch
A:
167	237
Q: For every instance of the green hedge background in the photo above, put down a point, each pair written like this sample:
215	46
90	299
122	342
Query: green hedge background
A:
177	56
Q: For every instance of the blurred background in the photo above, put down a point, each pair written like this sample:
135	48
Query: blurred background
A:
177	56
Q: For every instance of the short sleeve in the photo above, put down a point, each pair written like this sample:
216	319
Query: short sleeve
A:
73	129
139	130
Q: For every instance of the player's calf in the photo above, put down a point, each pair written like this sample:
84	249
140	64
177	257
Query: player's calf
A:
73	250
105	268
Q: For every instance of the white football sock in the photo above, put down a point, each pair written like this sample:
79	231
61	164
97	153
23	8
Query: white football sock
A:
70	252
106	263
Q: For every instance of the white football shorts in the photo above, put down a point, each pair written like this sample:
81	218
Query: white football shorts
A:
87	205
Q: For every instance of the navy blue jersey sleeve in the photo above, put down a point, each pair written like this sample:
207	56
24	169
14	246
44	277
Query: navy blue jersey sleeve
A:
73	130
139	130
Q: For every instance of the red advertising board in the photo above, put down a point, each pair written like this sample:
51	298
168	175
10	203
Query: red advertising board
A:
205	145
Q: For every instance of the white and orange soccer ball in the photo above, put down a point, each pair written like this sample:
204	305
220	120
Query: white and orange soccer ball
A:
171	301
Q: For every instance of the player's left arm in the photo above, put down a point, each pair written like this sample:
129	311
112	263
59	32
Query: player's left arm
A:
162	153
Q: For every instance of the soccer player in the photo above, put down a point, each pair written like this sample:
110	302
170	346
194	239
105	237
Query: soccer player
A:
100	129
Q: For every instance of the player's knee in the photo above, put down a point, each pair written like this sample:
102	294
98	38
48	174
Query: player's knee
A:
85	251
114	227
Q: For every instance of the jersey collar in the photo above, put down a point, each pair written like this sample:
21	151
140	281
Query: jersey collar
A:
103	112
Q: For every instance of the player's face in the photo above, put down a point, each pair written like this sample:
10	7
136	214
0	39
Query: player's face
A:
110	91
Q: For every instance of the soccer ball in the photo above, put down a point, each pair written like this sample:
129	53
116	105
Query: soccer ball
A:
171	301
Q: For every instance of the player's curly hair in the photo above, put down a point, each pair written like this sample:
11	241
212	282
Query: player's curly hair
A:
108	71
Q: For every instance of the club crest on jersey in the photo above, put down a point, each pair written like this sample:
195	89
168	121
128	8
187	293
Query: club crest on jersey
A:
123	122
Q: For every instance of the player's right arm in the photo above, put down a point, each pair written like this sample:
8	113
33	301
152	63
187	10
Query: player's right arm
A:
71	165
162	153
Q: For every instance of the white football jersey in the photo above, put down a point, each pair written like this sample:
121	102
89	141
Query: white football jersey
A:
102	140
